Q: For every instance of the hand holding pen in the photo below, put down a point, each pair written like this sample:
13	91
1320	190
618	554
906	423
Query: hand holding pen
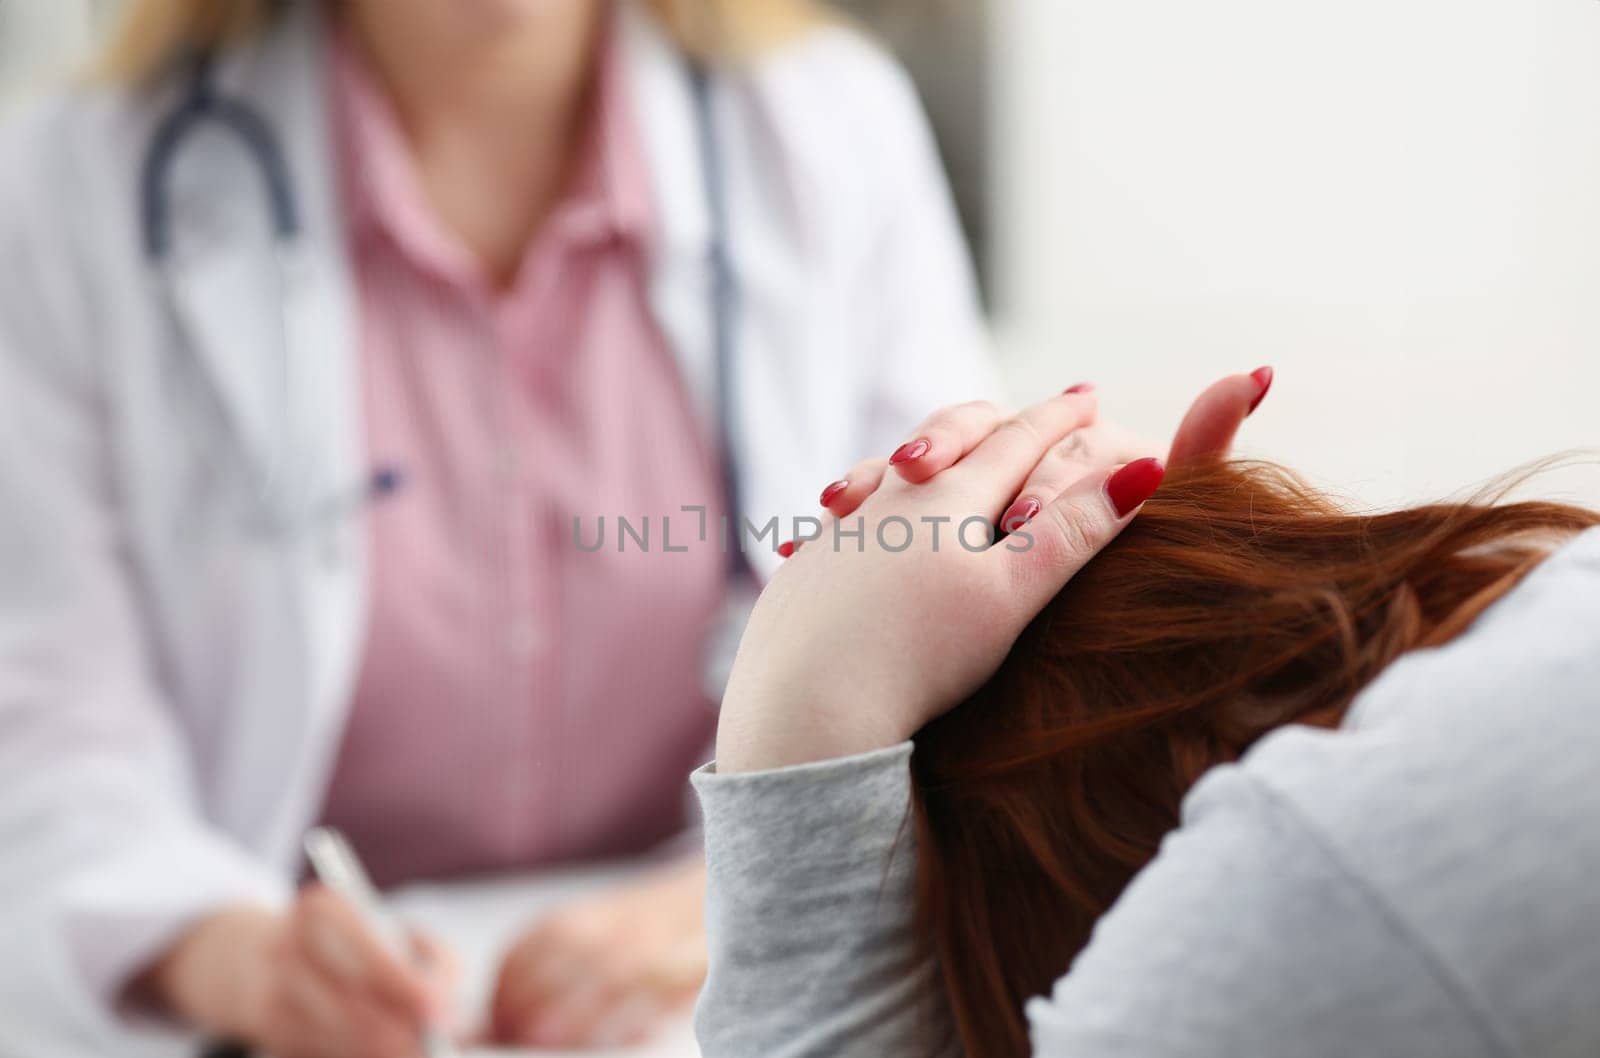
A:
407	976
315	980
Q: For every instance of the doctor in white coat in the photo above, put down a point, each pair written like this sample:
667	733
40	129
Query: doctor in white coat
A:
181	636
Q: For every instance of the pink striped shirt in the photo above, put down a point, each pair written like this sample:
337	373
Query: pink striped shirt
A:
520	701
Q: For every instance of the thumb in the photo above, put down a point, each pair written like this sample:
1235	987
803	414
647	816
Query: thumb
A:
1046	553
1212	421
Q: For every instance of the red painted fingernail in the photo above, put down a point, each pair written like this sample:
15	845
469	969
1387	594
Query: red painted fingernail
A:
834	491
1134	483
910	452
1019	514
786	549
1081	387
1263	376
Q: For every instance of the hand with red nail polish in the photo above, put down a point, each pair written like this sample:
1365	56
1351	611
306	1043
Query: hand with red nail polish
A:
946	437
854	646
943	439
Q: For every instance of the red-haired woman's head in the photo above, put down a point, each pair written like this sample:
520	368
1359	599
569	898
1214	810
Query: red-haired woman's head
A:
1239	601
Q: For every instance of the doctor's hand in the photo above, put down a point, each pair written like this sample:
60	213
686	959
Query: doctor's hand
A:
608	971
311	982
858	641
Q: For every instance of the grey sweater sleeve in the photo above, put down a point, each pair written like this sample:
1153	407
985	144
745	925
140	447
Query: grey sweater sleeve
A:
810	890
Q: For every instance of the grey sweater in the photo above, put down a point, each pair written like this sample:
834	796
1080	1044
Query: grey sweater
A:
1423	882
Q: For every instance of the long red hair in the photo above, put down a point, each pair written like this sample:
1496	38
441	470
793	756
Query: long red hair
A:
1240	600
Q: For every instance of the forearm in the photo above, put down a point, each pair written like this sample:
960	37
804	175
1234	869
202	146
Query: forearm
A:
811	875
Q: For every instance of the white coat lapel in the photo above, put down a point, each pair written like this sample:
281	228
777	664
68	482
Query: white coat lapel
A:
228	325
680	274
332	570
235	310
264	320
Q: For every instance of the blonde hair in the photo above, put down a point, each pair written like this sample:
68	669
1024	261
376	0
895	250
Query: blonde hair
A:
153	33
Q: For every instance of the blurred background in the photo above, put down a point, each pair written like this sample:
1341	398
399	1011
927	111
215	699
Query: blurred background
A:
1396	203
1392	201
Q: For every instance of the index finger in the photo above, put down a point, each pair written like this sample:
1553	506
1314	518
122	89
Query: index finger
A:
337	940
1002	461
943	438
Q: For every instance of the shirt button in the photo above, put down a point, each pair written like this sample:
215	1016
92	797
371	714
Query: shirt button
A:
522	638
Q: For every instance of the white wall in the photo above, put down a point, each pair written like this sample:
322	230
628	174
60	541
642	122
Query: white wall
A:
1395	202
38	38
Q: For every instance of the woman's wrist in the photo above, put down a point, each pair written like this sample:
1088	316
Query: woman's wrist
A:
774	732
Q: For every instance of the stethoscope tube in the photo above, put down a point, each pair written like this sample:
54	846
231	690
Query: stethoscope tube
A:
202	104
724	302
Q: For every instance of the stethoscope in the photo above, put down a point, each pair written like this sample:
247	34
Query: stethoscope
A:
281	505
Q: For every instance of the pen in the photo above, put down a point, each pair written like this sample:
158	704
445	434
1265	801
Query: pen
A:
334	863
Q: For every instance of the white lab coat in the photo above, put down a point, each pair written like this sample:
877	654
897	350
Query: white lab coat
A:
173	686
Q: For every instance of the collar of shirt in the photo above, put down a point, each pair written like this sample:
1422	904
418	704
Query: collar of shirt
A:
607	198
